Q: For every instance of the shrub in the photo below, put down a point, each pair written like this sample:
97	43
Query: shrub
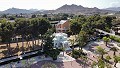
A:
40	53
78	53
119	45
115	38
108	58
53	53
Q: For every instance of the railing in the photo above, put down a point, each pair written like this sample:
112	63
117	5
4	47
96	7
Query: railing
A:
15	58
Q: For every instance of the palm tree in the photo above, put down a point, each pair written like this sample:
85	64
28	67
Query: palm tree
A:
114	49
94	64
106	40
72	41
101	63
116	60
108	58
101	51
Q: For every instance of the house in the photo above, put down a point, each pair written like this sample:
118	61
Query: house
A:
62	26
60	41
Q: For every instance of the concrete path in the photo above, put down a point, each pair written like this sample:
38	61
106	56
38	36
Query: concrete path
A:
64	58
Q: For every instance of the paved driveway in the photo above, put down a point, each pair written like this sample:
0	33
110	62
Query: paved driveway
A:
73	64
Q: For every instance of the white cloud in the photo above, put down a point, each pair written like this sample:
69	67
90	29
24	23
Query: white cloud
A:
115	4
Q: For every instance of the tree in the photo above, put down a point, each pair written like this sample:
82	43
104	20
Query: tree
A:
43	26
108	65
101	51
114	49
116	60
77	54
72	41
108	21
6	33
101	63
94	64
22	29
4	16
75	27
34	33
108	58
48	43
84	58
88	28
45	15
93	18
106	40
63	49
54	53
33	16
38	27
64	16
82	39
12	17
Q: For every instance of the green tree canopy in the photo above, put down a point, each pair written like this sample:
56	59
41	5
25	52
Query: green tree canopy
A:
101	51
82	39
75	27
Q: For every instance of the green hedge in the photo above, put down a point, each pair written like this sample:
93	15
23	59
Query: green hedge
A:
53	53
115	38
78	53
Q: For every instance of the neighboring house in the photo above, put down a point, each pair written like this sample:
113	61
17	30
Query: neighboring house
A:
11	21
63	26
54	23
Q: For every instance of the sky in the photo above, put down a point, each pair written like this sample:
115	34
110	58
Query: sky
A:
54	4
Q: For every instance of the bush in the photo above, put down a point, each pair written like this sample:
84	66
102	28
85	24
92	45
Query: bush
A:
107	29
115	38
40	53
119	45
78	53
53	53
108	58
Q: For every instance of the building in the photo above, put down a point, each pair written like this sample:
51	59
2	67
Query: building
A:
63	26
60	41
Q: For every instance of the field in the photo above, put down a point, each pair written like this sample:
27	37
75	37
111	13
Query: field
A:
14	49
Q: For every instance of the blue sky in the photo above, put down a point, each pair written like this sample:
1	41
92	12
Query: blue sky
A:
54	4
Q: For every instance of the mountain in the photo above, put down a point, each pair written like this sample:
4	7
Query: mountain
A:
72	9
113	8
78	9
33	9
17	11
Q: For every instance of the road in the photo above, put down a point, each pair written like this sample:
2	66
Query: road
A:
107	33
115	44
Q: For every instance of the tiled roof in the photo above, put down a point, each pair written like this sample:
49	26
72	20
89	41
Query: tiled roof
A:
62	21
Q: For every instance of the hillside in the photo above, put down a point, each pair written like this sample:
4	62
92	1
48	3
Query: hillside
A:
78	9
17	11
113	8
72	9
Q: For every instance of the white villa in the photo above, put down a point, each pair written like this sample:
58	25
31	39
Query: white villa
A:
60	40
